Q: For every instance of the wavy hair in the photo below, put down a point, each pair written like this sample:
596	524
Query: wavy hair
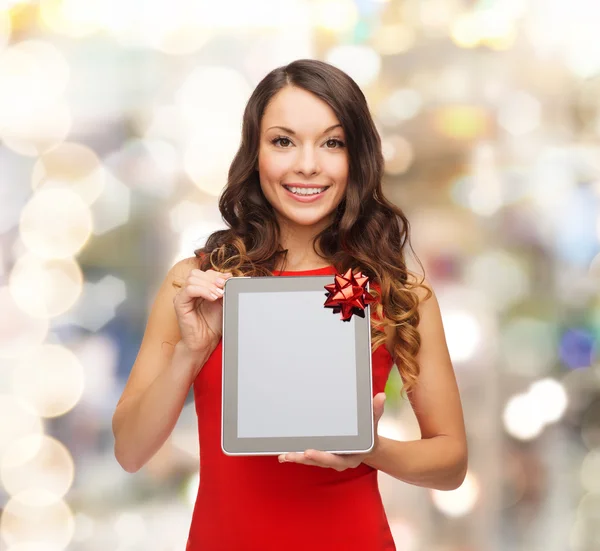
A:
367	232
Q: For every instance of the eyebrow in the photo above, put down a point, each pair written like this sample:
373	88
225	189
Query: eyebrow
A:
290	131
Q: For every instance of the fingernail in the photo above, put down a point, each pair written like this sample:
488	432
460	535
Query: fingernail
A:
220	291
220	281
215	296
281	459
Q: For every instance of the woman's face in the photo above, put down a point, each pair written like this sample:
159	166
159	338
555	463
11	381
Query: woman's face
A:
302	158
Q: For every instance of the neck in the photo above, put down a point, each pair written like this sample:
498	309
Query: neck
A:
298	240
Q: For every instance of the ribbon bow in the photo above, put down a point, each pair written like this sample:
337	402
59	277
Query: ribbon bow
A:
348	294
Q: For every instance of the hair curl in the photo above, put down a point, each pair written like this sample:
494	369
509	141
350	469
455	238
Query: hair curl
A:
368	233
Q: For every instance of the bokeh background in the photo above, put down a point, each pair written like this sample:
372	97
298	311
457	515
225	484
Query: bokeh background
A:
118	120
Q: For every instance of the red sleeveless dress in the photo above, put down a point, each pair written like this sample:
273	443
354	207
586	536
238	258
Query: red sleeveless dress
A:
258	504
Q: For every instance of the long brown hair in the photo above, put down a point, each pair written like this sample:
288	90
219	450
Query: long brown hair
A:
368	233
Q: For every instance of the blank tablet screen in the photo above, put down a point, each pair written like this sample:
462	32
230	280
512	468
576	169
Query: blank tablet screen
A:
283	391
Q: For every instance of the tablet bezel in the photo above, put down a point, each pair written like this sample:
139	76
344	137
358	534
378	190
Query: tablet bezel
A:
230	443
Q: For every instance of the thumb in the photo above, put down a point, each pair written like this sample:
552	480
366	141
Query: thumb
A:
378	406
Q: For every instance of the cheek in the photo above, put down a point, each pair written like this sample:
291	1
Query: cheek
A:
272	167
339	170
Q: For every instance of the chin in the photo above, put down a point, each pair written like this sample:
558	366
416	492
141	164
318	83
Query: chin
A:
308	219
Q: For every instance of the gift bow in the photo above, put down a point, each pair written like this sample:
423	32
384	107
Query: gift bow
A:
348	294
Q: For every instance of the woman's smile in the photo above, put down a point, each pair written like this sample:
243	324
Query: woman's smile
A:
303	160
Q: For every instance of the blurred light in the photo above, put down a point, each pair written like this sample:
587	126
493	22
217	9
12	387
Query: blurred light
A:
406	532
33	115
464	122
37	463
19	332
45	288
576	243
334	15
463	334
437	14
55	223
84	527
23	422
393	39
522	418
131	528
49	379
465	31
188	213
576	44
402	104
528	346
551	399
165	124
589	507
520	113
97	304
112	208
195	222
486	194
211	102
277	48
38	131
489	27
73	18
590	481
459	502
191	489
174	28
72	166
35	546
577	348
149	166
590	426
34	74
398	154
507	286
5	28
193	237
36	516
99	355
390	427
360	62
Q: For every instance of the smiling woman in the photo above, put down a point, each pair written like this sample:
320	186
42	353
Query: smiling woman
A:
303	196
302	159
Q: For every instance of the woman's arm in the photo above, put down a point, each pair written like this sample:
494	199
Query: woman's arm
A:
159	382
439	459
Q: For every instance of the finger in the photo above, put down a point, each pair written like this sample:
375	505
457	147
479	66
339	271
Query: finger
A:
326	459
299	458
208	292
378	406
213	288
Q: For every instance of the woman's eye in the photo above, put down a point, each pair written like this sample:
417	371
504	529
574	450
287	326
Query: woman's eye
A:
333	143
283	142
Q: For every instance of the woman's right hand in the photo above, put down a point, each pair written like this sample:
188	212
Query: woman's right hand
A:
199	309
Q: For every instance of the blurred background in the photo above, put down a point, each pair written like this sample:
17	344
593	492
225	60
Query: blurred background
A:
118	120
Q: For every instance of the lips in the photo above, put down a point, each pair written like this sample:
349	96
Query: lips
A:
307	197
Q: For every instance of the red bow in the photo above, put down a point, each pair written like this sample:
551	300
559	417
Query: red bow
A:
348	295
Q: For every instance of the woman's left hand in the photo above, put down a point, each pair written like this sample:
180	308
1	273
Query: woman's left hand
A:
336	461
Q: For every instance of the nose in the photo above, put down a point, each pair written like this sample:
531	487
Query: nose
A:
307	162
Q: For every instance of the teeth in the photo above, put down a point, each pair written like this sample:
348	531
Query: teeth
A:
305	191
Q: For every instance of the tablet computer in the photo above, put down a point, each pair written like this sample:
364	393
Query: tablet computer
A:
295	376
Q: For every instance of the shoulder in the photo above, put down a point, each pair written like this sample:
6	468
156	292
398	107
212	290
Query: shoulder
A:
182	268
421	287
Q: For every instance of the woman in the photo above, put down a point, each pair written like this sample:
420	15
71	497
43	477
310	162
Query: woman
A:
303	197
